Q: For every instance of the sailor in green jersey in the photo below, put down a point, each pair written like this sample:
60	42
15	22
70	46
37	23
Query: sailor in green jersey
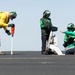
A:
45	25
69	36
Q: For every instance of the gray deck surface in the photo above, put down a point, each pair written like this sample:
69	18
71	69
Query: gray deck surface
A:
33	63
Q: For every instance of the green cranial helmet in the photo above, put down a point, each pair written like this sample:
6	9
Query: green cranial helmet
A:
70	26
46	12
13	15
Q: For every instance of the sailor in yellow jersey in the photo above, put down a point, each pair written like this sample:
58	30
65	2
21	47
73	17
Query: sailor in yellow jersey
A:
5	17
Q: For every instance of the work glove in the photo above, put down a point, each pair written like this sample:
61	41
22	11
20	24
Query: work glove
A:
8	32
11	25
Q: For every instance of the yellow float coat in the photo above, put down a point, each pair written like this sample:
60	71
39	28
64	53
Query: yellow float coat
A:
4	20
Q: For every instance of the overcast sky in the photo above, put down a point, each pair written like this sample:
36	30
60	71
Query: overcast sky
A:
27	34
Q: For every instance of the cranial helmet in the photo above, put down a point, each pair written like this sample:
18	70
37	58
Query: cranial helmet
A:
13	15
70	26
46	12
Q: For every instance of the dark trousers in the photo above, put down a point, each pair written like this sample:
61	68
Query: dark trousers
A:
44	37
70	51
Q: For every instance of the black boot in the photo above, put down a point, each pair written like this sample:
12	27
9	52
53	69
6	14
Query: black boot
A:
43	52
8	32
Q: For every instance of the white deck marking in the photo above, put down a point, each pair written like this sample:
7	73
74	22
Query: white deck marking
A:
25	58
